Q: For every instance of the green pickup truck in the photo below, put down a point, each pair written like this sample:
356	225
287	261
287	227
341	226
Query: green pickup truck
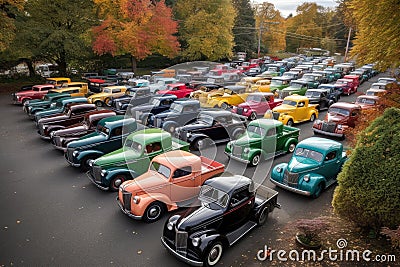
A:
133	159
264	138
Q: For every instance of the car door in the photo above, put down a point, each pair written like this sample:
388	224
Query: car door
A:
114	140
182	185
239	207
330	166
301	111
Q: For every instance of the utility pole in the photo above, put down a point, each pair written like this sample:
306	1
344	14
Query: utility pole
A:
347	46
260	34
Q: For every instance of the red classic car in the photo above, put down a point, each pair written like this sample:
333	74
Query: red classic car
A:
179	89
61	138
257	104
37	92
349	88
355	78
367	101
340	116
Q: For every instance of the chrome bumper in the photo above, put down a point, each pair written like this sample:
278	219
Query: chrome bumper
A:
136	217
91	178
318	131
179	256
237	158
295	190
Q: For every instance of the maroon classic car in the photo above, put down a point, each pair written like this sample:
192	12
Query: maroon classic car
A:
367	101
36	92
73	113
349	86
340	116
256	105
61	138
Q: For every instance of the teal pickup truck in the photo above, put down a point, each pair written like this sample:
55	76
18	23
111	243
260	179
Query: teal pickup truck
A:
111	170
313	167
264	138
109	135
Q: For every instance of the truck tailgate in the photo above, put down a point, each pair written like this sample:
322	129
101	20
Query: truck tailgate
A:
210	168
266	194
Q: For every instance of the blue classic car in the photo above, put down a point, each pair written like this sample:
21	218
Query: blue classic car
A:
312	168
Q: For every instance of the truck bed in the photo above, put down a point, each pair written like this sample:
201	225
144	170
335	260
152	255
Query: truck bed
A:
289	130
210	168
178	144
266	194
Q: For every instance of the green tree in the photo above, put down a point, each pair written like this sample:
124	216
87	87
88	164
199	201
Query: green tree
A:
55	31
8	10
368	186
377	36
244	30
206	28
273	27
138	28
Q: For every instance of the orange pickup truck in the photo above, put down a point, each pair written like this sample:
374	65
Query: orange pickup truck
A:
172	181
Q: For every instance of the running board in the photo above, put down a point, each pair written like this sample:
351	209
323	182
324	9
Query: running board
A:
240	232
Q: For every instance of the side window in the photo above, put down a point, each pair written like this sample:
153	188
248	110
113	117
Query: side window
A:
239	197
331	155
300	104
271	132
116	91
154	147
354	113
182	172
35	89
117	131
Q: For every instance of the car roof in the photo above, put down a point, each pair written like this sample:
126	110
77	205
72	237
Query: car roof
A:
229	182
265	123
179	159
319	144
235	87
116	121
345	105
296	97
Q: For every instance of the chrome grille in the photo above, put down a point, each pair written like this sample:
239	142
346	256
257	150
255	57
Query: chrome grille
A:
290	178
69	154
126	197
181	242
328	127
96	172
237	150
41	129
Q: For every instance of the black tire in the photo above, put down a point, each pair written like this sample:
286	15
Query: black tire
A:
291	148
169	127
199	144
154	212
85	163
98	103
319	190
213	254
116	181
262	218
253	116
312	118
255	160
107	101
290	122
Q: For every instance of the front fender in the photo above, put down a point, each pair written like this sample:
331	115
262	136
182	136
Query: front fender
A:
194	137
208	238
290	141
85	153
253	152
311	185
285	118
146	199
278	176
118	171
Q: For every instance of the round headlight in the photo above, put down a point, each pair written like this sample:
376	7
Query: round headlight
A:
246	150
188	135
75	153
279	169
196	241
339	126
136	199
245	110
119	104
121	189
170	226
103	172
306	177
91	162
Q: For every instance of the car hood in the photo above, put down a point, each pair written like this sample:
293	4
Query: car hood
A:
88	139
166	113
247	139
198	217
144	108
52	118
118	157
249	104
144	183
335	118
194	126
75	129
300	164
99	95
283	108
49	111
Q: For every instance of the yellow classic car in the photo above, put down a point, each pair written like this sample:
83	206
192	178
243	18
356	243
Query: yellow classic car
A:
57	81
72	88
261	86
294	109
232	95
110	91
249	81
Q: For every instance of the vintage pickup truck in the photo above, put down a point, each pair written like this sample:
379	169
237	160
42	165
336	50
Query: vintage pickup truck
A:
320	97
203	91
229	208
298	87
294	109
73	113
109	171
340	116
230	96
36	92
264	138
57	107
145	112
279	83
348	86
256	105
367	101
133	97
313	167
107	138
211	127
172	181
102	98
61	138
181	90
73	88
32	106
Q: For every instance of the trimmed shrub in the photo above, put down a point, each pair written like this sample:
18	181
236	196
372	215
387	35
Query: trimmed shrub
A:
368	191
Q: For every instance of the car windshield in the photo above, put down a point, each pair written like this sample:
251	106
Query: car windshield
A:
255	98
308	153
378	86
155	101
296	85
161	169
256	130
289	102
363	100
102	129
341	111
205	118
135	146
176	107
131	93
107	91
210	195
312	94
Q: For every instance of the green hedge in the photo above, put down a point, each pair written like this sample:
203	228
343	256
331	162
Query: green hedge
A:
368	191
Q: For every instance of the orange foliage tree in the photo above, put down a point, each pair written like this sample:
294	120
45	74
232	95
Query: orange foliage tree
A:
390	99
136	27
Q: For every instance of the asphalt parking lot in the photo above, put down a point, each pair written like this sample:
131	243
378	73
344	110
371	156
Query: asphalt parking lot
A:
53	216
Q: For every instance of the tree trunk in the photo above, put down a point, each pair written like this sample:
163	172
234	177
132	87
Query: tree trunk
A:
134	64
62	64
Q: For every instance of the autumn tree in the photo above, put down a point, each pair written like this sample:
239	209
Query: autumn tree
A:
244	30
205	30
272	27
377	32
137	27
8	10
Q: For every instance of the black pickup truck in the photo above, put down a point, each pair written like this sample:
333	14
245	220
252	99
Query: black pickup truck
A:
133	97
212	126
229	208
